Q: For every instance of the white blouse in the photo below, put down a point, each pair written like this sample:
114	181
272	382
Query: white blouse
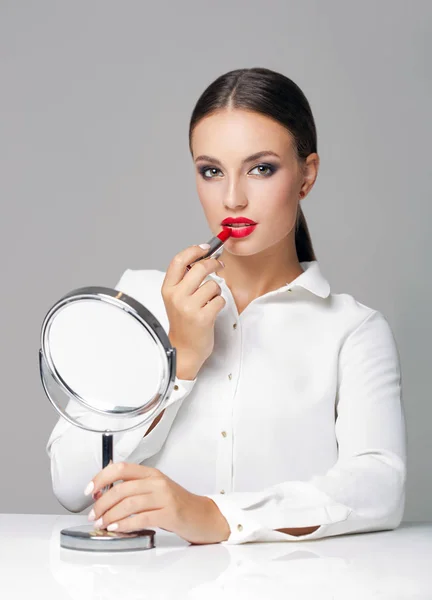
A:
295	420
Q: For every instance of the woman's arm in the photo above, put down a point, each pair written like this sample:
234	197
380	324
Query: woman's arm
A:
365	489
76	454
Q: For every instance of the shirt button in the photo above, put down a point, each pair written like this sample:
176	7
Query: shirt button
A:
234	325
222	491
240	527
230	376
289	289
176	387
224	433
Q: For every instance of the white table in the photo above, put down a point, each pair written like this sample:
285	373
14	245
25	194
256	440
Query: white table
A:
391	564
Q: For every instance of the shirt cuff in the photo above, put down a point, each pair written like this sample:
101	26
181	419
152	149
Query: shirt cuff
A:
243	527
181	389
255	516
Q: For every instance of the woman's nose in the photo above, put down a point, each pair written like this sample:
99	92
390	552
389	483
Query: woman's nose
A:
235	198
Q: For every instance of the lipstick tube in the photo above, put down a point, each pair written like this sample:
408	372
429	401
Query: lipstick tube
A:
216	243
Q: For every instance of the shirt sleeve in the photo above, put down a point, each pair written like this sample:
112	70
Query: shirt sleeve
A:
76	454
365	488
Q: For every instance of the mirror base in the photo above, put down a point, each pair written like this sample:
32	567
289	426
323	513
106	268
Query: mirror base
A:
85	537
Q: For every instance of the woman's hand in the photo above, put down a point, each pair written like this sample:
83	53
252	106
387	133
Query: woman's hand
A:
192	307
147	498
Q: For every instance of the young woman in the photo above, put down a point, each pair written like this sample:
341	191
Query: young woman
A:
288	422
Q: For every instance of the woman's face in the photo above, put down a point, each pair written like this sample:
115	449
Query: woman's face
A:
264	189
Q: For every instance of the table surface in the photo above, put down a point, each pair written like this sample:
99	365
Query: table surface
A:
389	564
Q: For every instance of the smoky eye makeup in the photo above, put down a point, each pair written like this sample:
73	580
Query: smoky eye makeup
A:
270	169
205	168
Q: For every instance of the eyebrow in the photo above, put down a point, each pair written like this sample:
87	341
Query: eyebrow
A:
246	160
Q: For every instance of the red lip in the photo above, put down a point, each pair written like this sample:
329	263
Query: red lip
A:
230	220
240	232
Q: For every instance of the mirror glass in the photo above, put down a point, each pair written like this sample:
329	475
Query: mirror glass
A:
105	355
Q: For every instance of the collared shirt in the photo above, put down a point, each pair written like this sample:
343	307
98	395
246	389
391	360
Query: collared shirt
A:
295	419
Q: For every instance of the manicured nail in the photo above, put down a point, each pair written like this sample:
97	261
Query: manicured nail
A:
98	523
204	246
89	488
91	515
112	527
221	262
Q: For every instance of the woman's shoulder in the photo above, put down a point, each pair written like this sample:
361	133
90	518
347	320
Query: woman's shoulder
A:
145	286
140	279
355	318
349	307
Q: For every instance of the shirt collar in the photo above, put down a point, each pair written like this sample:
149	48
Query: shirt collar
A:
311	279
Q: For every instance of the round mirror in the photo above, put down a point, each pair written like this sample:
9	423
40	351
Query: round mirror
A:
107	366
105	355
109	353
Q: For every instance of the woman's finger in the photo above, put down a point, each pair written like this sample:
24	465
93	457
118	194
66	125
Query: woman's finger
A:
133	505
97	495
144	520
117	494
177	267
118	471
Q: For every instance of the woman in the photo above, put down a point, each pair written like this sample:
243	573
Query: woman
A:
288	422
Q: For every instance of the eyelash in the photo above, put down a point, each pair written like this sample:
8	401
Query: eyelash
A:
205	168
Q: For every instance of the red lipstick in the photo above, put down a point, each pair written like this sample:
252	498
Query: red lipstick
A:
215	242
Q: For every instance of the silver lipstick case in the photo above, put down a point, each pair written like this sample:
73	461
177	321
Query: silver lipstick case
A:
215	250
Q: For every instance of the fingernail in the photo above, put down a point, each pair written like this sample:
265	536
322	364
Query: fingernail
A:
221	262
91	515
112	527
89	488
98	523
204	246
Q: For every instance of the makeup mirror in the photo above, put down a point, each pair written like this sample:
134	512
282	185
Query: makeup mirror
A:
107	352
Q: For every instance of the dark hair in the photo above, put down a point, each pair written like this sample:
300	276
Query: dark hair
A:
274	95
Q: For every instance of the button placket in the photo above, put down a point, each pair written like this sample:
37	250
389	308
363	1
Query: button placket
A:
225	446
225	458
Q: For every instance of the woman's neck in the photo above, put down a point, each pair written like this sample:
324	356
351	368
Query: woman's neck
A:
249	277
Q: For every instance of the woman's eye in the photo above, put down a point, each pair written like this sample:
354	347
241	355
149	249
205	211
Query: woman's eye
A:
264	170
269	168
205	169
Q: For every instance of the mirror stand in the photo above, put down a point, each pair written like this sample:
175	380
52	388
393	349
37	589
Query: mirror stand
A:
85	537
107	448
107	453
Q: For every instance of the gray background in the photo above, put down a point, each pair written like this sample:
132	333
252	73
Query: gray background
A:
95	103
